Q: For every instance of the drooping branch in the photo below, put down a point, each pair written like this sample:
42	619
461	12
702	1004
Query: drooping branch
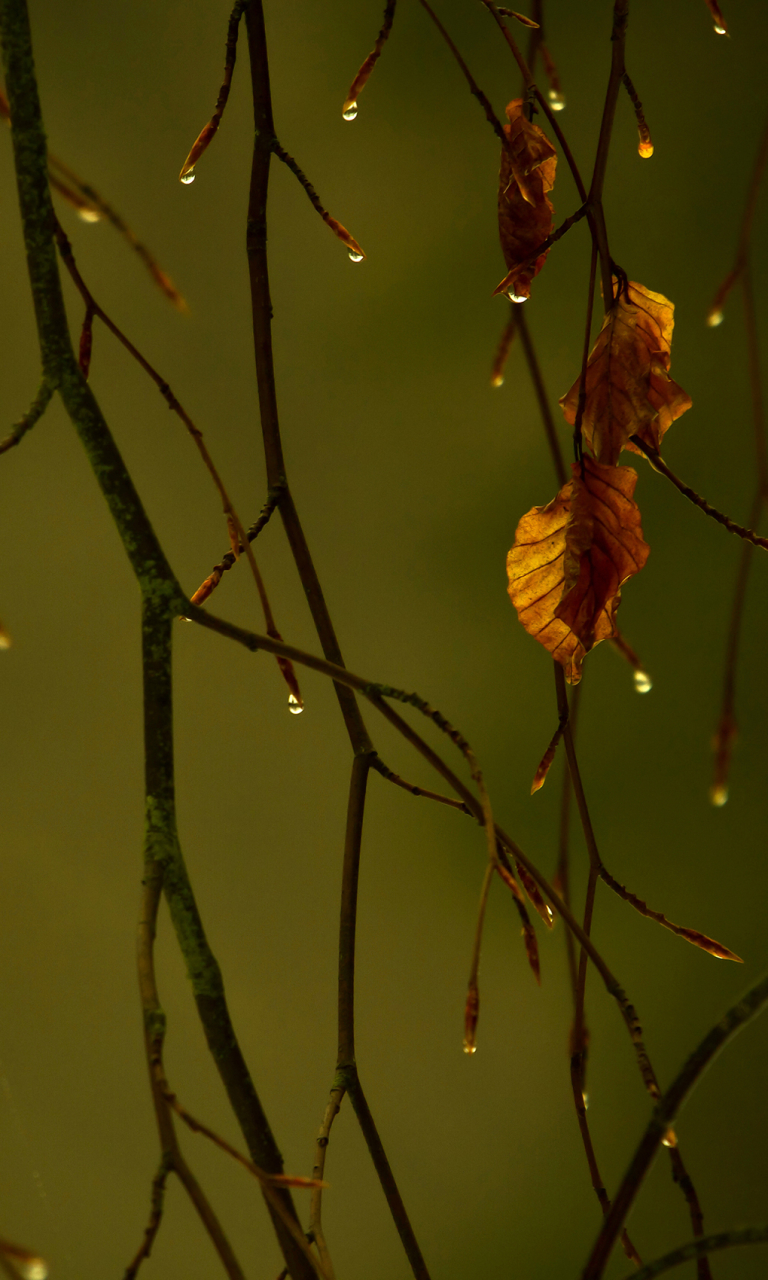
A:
737	1017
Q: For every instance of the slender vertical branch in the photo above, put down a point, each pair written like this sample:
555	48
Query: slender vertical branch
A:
261	306
618	39
347	1077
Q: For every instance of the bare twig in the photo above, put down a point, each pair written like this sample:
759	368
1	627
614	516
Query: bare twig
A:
33	415
205	137
659	465
349	109
696	1248
668	1107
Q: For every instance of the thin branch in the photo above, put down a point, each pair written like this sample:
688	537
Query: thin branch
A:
533	91
236	531
154	1017
474	88
157	1200
696	1248
669	1105
346	1068
541	396
395	778
618	40
349	110
659	465
318	1172
206	135
258	271
230	559
355	252
33	415
370	690
164	858
349	1077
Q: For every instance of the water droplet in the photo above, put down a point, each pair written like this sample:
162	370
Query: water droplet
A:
517	297
189	177
34	1269
89	215
355	257
556	100
469	1048
550	914
585	1100
718	795
669	1139
350	111
497	380
720	31
645	148
643	682
294	705
715	318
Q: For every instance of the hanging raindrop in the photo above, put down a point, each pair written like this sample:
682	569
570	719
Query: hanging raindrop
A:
556	100
89	215
715	318
643	682
355	257
718	795
350	111
294	706
189	177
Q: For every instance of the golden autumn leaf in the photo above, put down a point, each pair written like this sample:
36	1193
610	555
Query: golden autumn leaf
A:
570	559
525	214
628	387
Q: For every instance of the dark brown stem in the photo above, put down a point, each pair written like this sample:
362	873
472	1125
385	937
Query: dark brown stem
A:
318	1171
534	369
659	465
668	1107
395	778
206	135
261	305
155	1218
474	88
618	39
351	1082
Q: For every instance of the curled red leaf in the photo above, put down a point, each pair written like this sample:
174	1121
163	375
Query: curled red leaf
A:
527	173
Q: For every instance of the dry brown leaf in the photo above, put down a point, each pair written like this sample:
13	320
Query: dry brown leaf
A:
525	214
510	882
628	387
570	559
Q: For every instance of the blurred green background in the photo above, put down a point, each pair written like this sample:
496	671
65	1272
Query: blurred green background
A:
410	474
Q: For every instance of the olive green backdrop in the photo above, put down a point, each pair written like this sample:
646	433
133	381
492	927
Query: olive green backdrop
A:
410	474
